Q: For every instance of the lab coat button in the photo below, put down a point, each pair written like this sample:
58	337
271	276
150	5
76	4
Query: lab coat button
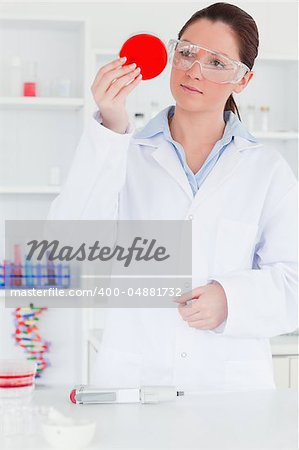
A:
190	217
183	354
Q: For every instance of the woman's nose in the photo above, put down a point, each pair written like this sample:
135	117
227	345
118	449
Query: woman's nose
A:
195	71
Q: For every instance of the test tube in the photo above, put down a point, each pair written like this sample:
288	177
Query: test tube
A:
29	85
250	117
265	118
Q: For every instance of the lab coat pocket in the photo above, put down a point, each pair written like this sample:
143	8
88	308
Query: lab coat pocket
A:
116	368
249	374
234	247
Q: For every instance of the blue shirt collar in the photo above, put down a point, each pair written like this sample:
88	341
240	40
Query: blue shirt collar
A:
159	124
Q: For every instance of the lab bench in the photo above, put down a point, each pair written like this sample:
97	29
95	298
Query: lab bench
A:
254	420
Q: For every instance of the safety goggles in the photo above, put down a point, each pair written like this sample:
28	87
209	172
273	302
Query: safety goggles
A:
214	66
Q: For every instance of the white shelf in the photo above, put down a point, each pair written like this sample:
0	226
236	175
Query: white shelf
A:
41	22
29	189
74	103
280	135
285	345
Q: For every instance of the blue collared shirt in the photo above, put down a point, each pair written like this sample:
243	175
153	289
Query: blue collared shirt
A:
233	127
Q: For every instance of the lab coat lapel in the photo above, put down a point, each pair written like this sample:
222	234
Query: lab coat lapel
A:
166	157
225	167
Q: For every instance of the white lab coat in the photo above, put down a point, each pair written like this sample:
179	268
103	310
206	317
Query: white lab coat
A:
244	229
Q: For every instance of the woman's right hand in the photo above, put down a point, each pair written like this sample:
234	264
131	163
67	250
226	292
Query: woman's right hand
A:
110	92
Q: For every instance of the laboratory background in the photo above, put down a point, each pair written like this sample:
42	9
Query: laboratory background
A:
50	53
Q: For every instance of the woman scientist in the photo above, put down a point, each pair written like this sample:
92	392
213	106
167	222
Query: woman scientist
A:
195	161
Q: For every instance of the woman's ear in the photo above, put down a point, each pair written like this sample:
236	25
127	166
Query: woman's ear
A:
243	83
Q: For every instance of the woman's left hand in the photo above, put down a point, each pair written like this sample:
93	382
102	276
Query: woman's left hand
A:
208	308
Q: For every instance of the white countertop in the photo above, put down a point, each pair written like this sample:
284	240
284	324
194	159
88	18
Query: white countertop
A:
261	420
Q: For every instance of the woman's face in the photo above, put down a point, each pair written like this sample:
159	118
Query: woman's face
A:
217	36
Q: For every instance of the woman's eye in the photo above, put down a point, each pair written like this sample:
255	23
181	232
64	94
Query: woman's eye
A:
185	53
217	63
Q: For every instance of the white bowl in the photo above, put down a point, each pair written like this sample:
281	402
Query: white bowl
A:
73	436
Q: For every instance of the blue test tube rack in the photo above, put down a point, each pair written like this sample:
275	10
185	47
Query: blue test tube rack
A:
14	276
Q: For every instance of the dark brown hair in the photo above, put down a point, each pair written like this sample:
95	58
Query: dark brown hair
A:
244	27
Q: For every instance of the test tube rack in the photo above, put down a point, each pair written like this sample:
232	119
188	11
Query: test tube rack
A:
16	276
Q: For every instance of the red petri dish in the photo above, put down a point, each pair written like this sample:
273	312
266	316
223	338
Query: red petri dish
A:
148	52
